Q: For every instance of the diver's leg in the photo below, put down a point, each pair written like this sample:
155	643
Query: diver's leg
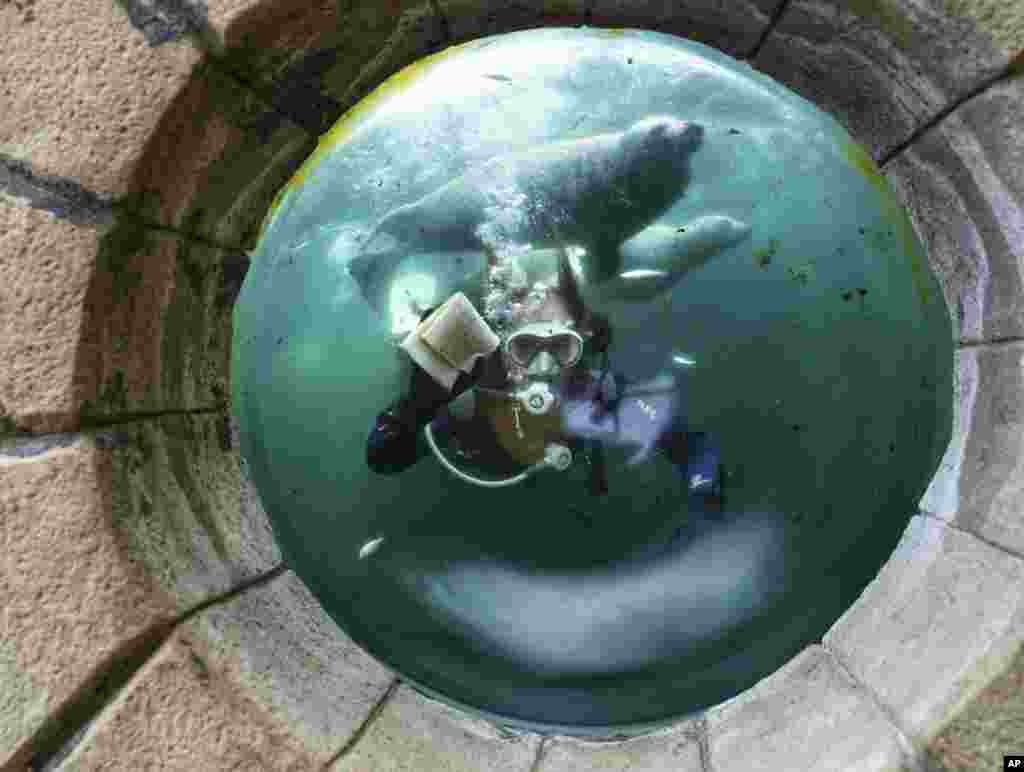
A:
703	473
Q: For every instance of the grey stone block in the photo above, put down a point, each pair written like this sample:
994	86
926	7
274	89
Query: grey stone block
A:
943	618
414	733
884	67
963	184
808	715
185	509
677	750
734	26
991	500
277	644
979	486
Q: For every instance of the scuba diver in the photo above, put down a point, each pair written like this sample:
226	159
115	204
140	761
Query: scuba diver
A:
532	398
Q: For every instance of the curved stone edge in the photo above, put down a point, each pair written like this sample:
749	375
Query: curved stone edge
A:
963	185
884	69
414	732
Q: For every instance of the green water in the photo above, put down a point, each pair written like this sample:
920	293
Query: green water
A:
822	361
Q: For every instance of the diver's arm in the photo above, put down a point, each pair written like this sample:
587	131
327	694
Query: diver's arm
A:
394	442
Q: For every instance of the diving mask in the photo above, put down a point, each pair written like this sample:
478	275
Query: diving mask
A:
539	347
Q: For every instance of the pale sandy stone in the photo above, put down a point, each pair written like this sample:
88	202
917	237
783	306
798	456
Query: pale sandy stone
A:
72	598
180	712
82	90
943	618
106	320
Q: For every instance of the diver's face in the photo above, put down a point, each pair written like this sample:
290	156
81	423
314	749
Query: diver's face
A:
544	346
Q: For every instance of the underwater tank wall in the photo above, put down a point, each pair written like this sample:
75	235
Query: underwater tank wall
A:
139	567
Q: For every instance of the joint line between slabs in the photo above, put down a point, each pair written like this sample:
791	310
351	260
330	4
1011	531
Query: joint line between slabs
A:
911	749
378	708
977	537
944	113
768	30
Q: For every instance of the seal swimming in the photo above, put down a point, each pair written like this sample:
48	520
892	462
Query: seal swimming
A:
596	192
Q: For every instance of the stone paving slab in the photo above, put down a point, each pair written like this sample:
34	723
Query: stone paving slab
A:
963	183
943	618
733	26
808	715
885	68
72	599
277	644
83	91
180	712
105	319
414	734
677	750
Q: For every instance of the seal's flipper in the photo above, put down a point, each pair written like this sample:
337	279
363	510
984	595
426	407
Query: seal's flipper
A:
374	273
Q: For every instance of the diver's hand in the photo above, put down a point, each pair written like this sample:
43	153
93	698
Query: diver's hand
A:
636	417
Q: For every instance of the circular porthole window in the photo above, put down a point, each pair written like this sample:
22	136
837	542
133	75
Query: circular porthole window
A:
589	375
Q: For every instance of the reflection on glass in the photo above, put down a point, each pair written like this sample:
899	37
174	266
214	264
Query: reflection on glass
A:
588	377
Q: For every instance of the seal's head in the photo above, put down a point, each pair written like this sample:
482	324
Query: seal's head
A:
662	137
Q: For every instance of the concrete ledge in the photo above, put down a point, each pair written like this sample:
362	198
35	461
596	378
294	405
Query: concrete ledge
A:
683	749
944	617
